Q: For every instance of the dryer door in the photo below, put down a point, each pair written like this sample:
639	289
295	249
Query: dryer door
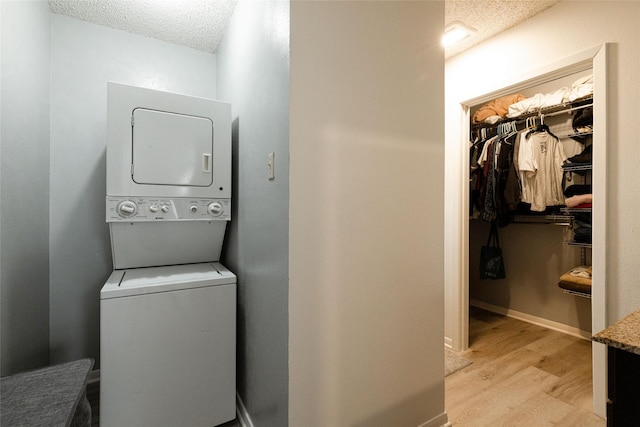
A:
171	149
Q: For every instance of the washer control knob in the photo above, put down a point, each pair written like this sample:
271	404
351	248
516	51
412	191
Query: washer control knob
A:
193	209
215	208
127	208
153	208
164	208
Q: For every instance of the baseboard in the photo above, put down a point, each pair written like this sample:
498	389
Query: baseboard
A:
539	321
242	414
448	342
439	421
245	421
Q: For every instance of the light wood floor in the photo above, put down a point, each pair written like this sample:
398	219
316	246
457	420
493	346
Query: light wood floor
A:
521	375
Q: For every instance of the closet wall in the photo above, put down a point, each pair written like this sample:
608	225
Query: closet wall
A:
535	254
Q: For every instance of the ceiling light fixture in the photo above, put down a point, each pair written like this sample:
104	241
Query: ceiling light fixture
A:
455	32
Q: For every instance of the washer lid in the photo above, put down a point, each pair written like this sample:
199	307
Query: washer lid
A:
140	281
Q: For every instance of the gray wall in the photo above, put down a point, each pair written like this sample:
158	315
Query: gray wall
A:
24	180
83	58
253	74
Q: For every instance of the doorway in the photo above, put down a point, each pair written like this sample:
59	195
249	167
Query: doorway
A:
457	227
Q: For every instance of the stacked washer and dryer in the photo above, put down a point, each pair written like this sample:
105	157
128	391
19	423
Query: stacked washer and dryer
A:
168	310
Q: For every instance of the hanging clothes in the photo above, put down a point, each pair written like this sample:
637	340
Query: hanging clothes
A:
513	188
489	211
540	159
504	161
478	172
521	171
489	178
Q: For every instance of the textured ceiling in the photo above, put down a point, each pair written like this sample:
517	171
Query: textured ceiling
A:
489	17
199	24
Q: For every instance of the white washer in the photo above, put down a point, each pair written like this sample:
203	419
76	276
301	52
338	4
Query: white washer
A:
168	353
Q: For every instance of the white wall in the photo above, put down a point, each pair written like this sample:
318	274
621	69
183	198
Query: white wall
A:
561	31
366	214
24	186
253	74
83	58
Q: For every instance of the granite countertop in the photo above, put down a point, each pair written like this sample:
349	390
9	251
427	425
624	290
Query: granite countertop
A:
625	334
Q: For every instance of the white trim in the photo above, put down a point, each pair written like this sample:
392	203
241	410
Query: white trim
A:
545	323
447	342
438	421
599	221
242	414
457	269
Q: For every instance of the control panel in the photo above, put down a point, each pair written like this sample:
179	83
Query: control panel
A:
151	209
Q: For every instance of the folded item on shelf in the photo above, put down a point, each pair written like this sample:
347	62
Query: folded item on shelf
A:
581	271
526	105
581	219
577	279
577	200
582	235
583	119
581	88
577	189
497	107
585	157
491	120
583	206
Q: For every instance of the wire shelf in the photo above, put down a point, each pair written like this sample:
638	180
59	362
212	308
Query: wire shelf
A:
573	167
577	294
578	244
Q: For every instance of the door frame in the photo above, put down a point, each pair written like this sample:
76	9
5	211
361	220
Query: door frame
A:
457	230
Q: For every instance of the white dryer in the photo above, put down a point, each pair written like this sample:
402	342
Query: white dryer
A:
168	311
168	177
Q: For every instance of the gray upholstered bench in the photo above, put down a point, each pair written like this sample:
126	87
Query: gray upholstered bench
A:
51	396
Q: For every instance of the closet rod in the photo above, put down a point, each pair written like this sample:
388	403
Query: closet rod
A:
567	110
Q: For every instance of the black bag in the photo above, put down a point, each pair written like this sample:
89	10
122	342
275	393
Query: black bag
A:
491	262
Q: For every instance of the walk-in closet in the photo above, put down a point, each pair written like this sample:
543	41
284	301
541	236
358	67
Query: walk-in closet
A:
530	167
550	121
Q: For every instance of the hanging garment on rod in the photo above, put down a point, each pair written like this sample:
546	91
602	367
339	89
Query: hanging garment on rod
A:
528	175
489	179
513	187
540	160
